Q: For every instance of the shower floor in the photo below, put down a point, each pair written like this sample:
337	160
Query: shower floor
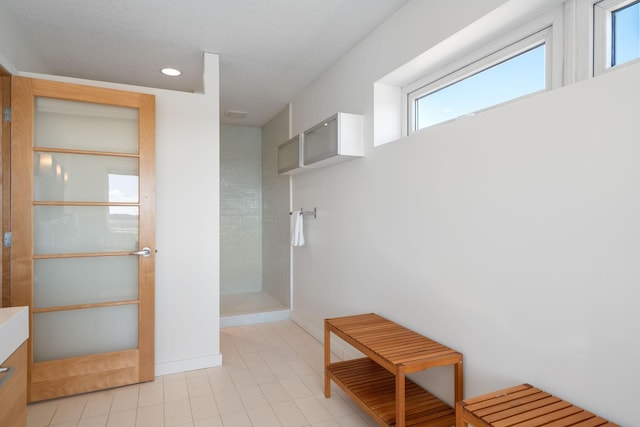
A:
250	302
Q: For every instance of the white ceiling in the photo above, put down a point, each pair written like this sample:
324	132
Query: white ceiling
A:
269	49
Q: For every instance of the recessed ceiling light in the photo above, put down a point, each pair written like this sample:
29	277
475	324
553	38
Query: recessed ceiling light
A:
171	72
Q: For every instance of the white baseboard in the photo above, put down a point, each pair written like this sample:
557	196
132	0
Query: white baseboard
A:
173	367
338	347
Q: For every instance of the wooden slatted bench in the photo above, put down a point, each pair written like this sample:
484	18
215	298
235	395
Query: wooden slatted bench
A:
523	406
378	383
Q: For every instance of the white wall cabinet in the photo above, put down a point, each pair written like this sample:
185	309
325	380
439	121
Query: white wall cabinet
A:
334	140
290	156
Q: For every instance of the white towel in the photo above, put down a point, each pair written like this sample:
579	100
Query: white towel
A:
297	234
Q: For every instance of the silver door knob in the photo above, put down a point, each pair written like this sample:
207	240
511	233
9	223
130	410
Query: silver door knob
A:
145	252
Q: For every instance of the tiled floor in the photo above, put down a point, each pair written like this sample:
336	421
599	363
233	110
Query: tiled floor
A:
271	376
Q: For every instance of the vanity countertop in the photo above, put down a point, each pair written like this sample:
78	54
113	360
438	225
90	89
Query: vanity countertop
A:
14	329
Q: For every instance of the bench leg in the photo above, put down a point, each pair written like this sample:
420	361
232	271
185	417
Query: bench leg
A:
327	360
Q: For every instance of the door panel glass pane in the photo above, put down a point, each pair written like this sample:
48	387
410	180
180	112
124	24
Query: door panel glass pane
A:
62	334
82	229
71	281
84	178
85	126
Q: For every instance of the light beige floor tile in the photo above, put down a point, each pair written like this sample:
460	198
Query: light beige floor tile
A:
252	359
330	423
353	420
252	397
40	414
122	419
287	353
232	360
314	382
296	388
70	409
289	414
242	377
195	373
275	393
150	416
67	424
98	403
176	390
125	398
263	417
269	354
228	402
179	376
300	367
272	376
150	394
244	347
262	374
213	422
337	406
316	362
198	386
177	412
313	410
204	407
237	419
282	370
100	421
221	381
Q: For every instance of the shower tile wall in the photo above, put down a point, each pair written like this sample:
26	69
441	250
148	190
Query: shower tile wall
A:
240	209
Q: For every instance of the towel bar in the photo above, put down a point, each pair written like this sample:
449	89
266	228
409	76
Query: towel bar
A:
314	212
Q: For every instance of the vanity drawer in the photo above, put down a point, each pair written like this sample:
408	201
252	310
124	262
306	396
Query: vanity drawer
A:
13	391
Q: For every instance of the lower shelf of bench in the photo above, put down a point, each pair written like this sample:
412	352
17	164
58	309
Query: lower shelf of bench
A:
374	389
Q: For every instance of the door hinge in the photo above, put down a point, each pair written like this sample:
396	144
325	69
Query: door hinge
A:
6	114
7	239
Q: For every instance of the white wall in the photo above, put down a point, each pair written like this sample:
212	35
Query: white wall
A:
187	222
511	236
240	209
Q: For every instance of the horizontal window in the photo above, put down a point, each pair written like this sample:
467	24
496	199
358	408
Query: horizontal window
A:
515	77
509	73
625	28
616	33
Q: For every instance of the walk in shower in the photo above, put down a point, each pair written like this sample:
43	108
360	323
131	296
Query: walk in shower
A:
254	228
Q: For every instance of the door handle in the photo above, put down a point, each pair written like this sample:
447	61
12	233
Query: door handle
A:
145	252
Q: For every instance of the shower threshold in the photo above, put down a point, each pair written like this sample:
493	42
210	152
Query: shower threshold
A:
250	308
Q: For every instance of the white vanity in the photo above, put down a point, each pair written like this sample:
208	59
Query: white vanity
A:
14	331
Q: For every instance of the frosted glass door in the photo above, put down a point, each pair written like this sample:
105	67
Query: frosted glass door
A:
64	235
89	202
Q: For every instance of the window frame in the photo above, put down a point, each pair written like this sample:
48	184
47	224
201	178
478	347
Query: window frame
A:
547	28
602	34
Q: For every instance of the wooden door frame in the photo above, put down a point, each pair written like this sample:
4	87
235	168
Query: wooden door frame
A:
5	187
